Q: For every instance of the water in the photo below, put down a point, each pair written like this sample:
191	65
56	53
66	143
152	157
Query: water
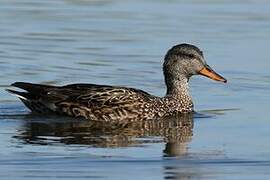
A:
123	43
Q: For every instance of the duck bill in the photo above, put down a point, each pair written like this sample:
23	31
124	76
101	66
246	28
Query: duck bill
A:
207	71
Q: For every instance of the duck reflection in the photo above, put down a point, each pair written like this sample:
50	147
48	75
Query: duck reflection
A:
175	131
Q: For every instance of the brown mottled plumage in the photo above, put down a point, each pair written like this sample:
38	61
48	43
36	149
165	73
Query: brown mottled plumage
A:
112	103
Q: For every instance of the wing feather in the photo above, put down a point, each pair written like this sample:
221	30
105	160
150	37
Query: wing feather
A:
91	101
103	102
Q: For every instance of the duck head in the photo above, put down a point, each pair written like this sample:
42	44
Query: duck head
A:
185	60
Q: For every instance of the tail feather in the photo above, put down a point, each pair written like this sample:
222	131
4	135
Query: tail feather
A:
31	96
30	87
22	95
32	91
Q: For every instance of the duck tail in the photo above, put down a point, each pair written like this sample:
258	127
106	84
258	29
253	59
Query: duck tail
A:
22	95
32	91
31	96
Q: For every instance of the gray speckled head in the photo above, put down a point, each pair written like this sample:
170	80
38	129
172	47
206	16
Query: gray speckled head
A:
183	61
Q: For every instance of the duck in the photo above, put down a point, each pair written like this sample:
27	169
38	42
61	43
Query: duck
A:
115	103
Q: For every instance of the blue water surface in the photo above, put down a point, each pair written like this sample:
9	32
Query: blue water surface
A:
120	42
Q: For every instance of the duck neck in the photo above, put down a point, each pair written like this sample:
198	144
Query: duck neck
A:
178	90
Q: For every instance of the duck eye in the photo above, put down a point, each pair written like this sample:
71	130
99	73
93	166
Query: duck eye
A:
190	55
